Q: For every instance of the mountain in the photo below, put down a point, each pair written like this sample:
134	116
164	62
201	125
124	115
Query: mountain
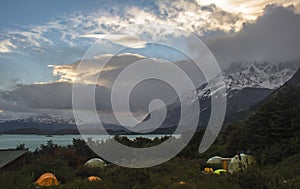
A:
46	124
239	102
38	124
295	80
272	132
246	85
259	74
253	75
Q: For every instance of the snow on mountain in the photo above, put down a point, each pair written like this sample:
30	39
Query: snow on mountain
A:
251	75
47	119
259	75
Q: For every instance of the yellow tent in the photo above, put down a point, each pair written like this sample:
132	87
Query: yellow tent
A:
47	179
220	171
94	178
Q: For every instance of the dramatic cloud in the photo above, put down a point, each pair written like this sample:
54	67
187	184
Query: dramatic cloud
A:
54	95
57	96
105	69
108	66
273	37
142	19
50	98
124	40
249	10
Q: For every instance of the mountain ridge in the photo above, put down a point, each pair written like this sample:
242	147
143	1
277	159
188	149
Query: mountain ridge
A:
241	96
271	132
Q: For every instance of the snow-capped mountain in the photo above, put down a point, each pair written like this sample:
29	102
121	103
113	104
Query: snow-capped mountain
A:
38	124
245	86
47	119
55	124
259	74
255	74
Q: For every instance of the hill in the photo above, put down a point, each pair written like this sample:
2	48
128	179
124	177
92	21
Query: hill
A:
272	132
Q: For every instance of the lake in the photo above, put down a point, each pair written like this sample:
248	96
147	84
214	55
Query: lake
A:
34	141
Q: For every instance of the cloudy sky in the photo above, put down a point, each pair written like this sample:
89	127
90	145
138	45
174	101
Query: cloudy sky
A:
41	43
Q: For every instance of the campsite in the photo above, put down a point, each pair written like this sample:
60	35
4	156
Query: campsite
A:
76	166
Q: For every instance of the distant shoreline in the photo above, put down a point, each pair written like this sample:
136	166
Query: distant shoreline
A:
33	141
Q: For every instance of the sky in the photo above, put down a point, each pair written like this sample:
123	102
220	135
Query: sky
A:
41	43
33	12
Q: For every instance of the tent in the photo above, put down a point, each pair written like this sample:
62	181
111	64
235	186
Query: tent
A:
225	162
240	161
95	162
220	171
214	160
47	179
94	178
208	170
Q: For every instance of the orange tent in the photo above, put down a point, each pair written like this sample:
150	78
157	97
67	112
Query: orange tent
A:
208	170
94	178
47	179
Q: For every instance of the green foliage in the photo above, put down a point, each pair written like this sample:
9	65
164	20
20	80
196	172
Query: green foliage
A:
272	132
16	179
68	167
82	148
289	167
258	178
80	183
21	147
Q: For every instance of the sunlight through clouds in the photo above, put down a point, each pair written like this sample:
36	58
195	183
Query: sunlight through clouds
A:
250	10
91	68
126	24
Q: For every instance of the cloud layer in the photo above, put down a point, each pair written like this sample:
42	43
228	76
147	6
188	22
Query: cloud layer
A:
124	40
146	19
58	95
273	37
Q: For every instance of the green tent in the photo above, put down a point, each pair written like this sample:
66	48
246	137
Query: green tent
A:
95	162
214	160
240	161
